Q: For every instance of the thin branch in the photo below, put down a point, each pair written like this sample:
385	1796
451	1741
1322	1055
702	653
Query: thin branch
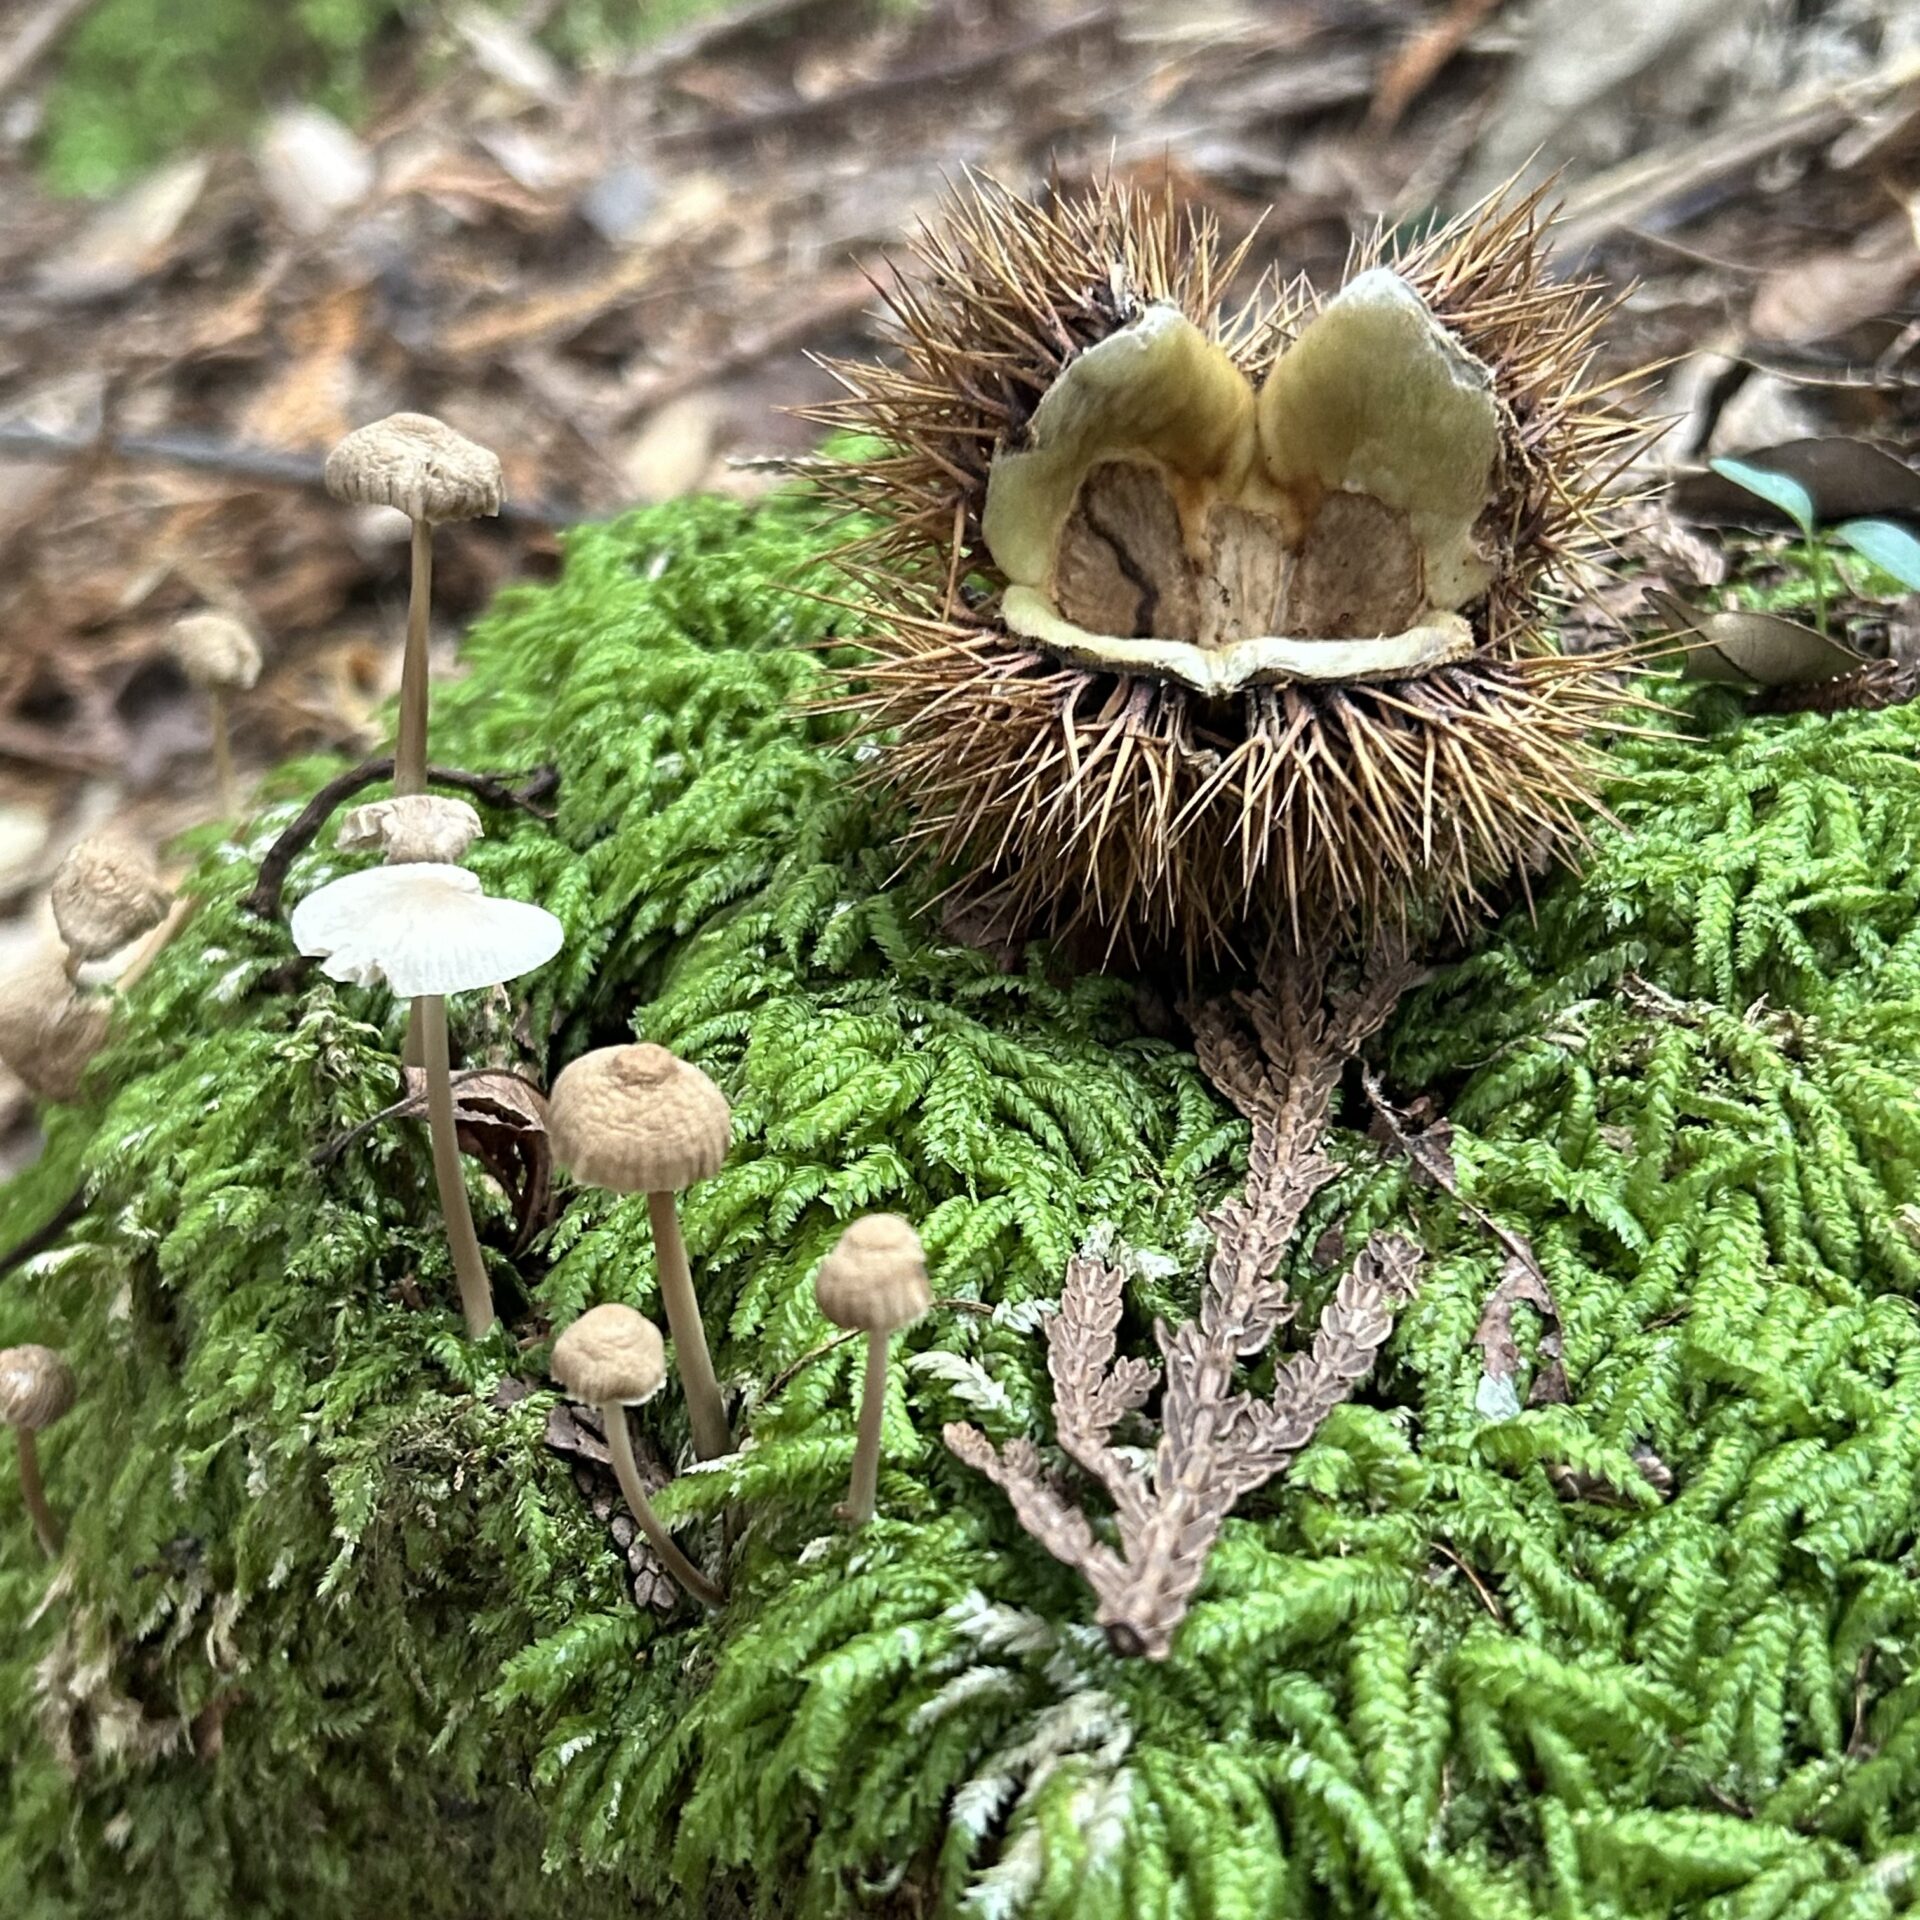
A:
264	901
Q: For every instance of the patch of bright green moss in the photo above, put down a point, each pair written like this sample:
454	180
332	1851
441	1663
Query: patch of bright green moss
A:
1464	1661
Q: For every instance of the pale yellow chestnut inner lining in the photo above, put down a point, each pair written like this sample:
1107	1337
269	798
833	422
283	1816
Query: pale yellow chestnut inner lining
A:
1166	519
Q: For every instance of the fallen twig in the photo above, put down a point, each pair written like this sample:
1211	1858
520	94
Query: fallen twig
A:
264	901
1217	1444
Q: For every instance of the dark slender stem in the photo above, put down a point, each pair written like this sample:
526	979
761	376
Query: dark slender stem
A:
627	1471
44	1237
46	1528
706	1411
469	1264
264	901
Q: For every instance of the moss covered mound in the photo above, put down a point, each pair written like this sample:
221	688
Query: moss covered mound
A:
339	1634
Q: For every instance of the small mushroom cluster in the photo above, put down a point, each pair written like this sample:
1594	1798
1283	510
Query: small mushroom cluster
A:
106	896
637	1119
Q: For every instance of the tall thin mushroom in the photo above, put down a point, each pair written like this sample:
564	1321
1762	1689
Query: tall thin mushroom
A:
873	1282
36	1389
638	1120
219	656
420	466
427	929
613	1358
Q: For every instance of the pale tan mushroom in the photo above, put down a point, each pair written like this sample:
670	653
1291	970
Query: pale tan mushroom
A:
419	465
105	894
50	1029
220	657
612	1358
638	1120
873	1282
36	1388
411	828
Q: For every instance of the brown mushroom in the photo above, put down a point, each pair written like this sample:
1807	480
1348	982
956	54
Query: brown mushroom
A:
219	656
638	1120
873	1282
36	1388
105	894
613	1359
49	1029
419	465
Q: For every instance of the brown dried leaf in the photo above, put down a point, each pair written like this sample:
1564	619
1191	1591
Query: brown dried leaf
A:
1845	477
1522	1283
1831	292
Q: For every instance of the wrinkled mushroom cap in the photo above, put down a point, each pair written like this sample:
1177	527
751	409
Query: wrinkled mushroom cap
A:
610	1356
215	651
36	1387
418	464
875	1279
638	1120
413	827
49	1030
105	894
425	929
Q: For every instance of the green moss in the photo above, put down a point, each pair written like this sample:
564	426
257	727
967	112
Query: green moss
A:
1423	1678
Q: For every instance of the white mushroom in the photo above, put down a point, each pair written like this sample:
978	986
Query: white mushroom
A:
428	930
412	827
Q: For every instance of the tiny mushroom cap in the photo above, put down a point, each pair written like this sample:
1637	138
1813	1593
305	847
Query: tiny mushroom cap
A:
610	1356
106	894
875	1279
215	651
418	464
426	929
48	1030
638	1119
413	827
36	1387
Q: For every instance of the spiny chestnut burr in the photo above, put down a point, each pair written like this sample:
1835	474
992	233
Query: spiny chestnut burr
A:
1203	629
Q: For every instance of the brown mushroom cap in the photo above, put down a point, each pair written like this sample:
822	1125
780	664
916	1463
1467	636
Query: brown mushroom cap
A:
413	827
638	1120
215	651
36	1387
875	1279
610	1356
48	1030
105	894
418	464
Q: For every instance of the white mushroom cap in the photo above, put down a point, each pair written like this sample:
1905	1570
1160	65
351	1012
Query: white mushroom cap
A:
215	651
418	464
638	1120
413	827
36	1387
875	1279
610	1356
425	929
48	1029
105	894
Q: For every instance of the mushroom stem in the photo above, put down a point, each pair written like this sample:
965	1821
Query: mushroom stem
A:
223	756
476	1292
706	1411
627	1471
46	1528
410	754
865	1484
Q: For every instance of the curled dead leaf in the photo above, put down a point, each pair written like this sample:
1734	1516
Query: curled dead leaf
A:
1741	649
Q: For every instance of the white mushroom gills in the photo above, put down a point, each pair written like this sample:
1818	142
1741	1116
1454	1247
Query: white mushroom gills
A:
428	930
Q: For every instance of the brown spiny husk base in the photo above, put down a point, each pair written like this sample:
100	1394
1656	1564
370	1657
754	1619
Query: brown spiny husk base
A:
1070	798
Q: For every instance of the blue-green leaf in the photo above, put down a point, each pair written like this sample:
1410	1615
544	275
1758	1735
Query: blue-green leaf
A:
1789	496
1891	548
